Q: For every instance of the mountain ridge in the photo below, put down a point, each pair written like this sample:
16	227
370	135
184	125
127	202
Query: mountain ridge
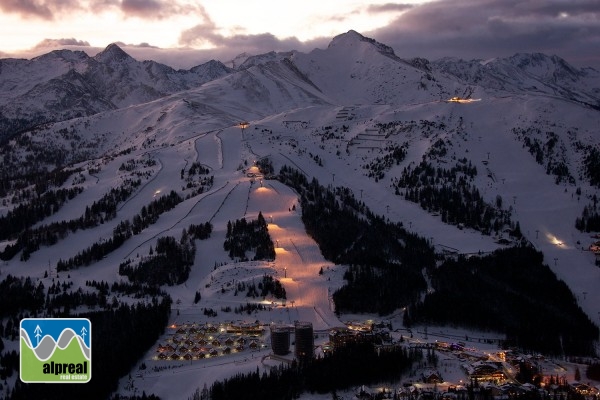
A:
113	79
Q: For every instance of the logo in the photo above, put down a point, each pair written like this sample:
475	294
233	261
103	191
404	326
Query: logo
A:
56	350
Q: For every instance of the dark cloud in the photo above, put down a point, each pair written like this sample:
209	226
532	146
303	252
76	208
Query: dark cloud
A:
388	7
156	9
450	28
490	28
54	43
142	45
98	6
227	47
45	9
51	9
203	35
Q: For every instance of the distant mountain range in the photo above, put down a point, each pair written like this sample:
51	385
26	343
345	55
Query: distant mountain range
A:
66	84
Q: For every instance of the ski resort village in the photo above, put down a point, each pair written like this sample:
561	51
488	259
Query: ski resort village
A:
342	223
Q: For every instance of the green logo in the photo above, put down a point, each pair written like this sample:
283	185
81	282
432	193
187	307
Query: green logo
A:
56	350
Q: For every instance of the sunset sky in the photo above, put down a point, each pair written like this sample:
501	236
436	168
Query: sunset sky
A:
183	33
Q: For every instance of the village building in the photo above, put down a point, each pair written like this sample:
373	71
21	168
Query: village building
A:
431	376
485	371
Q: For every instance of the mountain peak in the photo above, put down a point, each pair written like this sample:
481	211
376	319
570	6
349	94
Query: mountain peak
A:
348	37
545	66
351	37
63	54
238	60
112	52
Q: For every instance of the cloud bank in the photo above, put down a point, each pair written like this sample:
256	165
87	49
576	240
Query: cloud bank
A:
54	9
490	28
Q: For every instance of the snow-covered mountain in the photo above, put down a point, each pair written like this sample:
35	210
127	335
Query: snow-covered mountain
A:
65	84
528	73
517	148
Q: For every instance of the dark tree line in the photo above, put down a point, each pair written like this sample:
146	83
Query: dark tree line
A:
510	291
545	152
201	231
98	250
590	218
266	286
451	193
19	294
144	396
357	364
21	297
593	371
243	236
105	209
395	155
120	337
425	126
591	163
24	157
150	213
385	260
265	166
197	168
200	185
26	215
60	302
170	262
15	177
137	290
169	265
11	127
99	212
534	146
123	231
12	180
9	363
247	308
132	164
